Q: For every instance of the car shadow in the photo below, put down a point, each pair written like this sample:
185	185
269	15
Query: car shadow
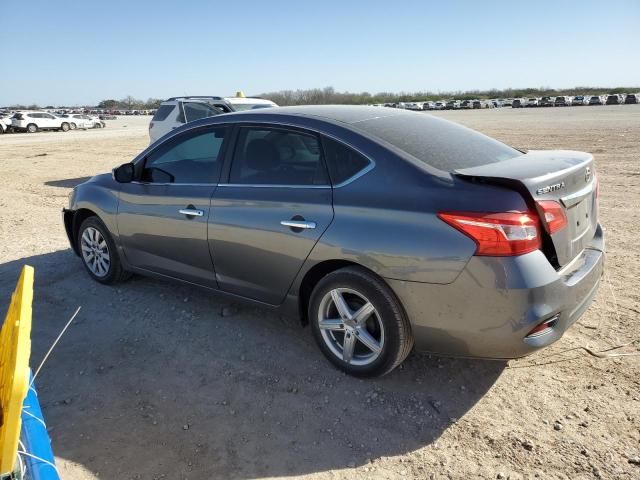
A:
156	378
66	182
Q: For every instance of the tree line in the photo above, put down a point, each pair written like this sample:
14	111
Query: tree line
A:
328	95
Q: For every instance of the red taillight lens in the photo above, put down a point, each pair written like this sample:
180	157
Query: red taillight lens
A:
498	234
553	216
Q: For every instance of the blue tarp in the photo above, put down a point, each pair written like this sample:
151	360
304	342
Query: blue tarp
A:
36	441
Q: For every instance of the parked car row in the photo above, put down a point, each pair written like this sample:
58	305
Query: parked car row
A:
440	105
567	101
32	121
559	101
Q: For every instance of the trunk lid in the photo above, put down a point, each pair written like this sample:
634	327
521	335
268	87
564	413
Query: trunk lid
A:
567	177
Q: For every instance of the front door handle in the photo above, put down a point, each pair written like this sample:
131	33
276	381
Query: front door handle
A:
298	224
191	212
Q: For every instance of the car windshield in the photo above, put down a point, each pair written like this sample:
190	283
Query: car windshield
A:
441	144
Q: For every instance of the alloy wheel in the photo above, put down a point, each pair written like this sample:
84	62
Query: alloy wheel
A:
351	326
95	252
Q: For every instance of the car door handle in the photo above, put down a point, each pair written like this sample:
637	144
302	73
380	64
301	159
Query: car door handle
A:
298	224
192	212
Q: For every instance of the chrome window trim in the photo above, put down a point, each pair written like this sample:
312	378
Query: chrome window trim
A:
270	185
240	123
135	182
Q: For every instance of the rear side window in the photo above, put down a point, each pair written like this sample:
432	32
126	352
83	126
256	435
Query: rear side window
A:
195	111
163	112
277	157
439	143
190	158
343	162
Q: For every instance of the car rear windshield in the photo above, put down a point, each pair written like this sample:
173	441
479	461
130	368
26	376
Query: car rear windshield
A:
439	143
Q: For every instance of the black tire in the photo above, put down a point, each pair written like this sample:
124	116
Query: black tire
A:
115	273
65	127
73	126
398	339
32	128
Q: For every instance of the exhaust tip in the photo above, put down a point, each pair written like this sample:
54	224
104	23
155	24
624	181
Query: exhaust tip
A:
543	328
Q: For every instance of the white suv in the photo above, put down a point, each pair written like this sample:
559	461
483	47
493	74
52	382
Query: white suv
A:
180	110
5	122
33	121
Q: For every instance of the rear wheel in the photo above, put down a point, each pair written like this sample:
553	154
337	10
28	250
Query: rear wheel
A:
98	252
359	323
73	126
65	127
97	125
32	128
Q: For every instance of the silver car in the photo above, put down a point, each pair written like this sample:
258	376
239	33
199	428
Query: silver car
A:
380	229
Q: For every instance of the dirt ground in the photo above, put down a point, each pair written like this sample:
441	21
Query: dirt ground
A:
154	381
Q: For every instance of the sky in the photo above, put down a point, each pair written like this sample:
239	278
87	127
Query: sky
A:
80	52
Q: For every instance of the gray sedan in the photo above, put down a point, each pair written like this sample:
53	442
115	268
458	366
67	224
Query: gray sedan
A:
378	227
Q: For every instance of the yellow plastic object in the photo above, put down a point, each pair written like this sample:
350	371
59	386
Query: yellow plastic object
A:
15	348
239	94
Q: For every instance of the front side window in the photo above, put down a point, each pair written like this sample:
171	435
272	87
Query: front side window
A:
277	157
190	158
343	162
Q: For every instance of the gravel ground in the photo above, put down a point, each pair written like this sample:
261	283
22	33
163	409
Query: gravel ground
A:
158	380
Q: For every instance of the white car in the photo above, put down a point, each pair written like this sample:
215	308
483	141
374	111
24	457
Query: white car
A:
532	102
33	121
249	103
177	111
77	120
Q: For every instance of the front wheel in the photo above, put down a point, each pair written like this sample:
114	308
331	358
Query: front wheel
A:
98	252
73	126
358	323
65	127
32	128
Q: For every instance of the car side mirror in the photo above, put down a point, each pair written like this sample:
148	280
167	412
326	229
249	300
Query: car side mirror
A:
124	173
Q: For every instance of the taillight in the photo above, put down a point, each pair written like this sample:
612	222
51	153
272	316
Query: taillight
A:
553	216
498	234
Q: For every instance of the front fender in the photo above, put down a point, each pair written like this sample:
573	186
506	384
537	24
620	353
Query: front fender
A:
98	196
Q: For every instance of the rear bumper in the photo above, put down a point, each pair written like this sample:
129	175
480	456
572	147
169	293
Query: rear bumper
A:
488	311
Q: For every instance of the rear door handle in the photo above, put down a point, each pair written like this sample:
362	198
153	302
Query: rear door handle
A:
192	212
298	224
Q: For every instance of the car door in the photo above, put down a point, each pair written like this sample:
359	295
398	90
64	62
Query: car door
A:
50	121
271	211
162	216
